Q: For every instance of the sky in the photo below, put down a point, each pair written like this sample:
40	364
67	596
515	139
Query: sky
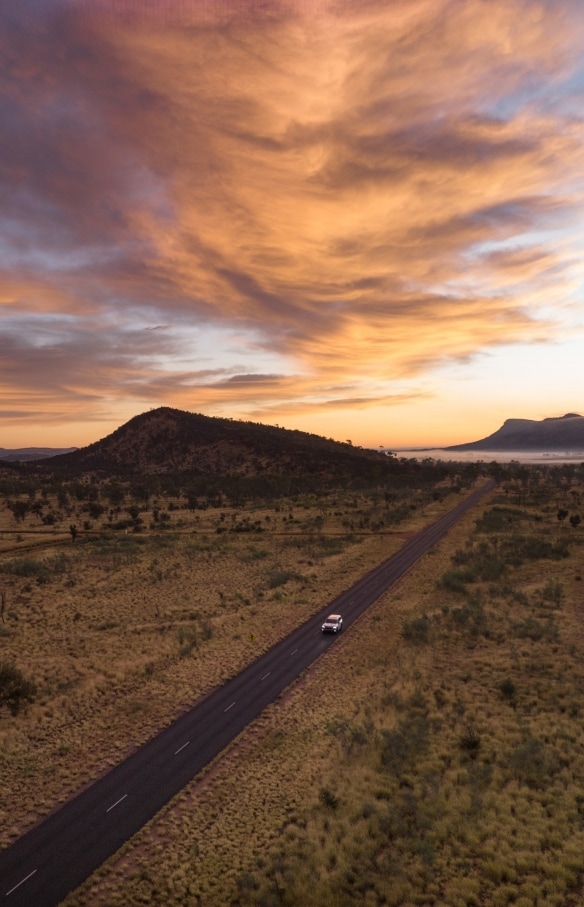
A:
358	218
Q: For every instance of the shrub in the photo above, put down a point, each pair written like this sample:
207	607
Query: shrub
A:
470	742
499	518
402	745
529	765
28	567
281	577
533	629
552	592
15	689
508	690
533	548
456	580
328	799
187	640
416	630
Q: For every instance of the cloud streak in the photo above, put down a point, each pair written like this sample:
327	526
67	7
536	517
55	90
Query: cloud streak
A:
298	192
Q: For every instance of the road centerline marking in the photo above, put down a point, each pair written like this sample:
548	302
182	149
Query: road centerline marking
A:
181	747
22	881
266	675
229	707
294	652
116	803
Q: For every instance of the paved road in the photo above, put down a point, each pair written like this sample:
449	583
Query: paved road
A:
51	860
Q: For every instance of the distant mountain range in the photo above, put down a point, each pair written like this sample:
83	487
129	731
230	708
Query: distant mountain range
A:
24	454
564	433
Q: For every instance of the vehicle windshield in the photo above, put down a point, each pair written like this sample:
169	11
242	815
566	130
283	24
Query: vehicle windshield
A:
332	620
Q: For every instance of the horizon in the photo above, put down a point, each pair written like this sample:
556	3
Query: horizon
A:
359	221
430	451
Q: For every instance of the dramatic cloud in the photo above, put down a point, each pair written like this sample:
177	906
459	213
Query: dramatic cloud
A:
275	208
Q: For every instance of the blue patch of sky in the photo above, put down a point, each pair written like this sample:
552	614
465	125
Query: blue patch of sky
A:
197	346
549	93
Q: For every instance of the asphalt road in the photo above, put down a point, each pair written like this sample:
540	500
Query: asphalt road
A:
53	858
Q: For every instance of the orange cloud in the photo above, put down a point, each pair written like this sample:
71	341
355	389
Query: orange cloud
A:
362	190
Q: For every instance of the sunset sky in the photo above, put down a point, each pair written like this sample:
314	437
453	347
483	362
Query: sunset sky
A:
359	218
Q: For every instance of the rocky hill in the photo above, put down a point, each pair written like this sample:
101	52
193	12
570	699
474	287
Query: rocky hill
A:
165	441
564	433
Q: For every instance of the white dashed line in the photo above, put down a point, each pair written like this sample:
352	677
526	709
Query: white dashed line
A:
22	881
182	747
266	675
294	652
229	707
116	803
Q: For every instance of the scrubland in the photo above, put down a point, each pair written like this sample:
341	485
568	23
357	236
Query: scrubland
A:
433	756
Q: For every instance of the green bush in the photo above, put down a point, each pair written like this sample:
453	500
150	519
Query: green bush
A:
456	580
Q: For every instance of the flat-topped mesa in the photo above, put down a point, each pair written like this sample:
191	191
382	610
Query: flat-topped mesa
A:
565	433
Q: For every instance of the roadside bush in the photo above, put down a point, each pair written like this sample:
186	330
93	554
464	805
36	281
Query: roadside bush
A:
499	518
482	560
456	580
416	630
471	618
533	548
281	577
15	689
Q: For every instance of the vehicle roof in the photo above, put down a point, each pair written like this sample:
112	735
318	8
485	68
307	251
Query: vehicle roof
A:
334	617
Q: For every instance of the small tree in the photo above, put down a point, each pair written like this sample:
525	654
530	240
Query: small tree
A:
19	510
73	531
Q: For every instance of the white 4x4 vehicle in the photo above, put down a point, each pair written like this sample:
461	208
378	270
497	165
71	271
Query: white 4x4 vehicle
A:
333	624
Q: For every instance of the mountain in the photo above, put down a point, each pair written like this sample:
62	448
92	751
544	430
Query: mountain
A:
565	433
165	441
24	454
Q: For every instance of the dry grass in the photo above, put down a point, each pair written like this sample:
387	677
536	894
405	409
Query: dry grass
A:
433	756
123	632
